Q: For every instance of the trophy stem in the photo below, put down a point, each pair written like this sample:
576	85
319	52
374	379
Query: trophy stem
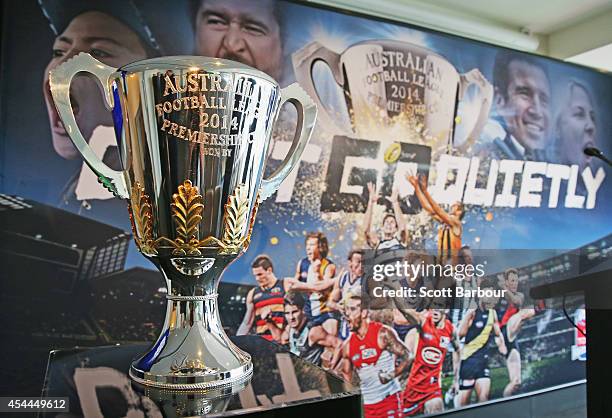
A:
193	351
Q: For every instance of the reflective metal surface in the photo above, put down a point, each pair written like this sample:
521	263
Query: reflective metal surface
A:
180	403
193	134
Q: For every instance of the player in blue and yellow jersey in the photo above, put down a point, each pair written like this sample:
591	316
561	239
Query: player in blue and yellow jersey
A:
315	275
479	327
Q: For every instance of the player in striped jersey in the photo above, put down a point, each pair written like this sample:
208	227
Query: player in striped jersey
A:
379	357
451	229
306	341
264	303
479	327
394	232
315	275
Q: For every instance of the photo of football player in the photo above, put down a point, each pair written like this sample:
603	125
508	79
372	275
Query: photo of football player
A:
429	342
305	341
451	228
114	33
479	327
511	317
347	284
379	357
315	275
393	234
264	303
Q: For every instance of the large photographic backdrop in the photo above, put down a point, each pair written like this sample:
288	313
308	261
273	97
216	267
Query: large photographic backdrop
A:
500	132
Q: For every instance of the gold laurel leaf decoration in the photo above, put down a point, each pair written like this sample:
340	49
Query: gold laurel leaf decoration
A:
141	215
133	224
247	239
187	213
236	218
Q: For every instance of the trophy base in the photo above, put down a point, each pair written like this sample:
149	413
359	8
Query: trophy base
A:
205	381
193	352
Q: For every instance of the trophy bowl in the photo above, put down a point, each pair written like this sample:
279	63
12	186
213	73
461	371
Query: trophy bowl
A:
386	83
193	134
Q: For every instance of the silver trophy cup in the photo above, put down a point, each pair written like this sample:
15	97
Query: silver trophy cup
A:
389	84
194	134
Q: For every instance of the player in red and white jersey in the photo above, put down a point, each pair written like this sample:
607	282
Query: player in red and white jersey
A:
511	316
379	357
430	341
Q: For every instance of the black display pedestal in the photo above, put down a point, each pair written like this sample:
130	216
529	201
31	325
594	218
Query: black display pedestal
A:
282	385
597	289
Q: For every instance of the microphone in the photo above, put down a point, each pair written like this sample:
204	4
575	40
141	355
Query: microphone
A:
595	152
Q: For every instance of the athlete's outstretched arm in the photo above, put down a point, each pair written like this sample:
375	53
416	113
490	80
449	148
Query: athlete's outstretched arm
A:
422	199
399	216
336	360
370	235
516	298
347	366
411	341
336	294
318	286
499	339
456	359
411	314
466	322
317	335
438	211
388	340
249	315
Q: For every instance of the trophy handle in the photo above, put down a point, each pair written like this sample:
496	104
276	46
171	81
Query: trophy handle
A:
307	115
59	82
303	63
486	100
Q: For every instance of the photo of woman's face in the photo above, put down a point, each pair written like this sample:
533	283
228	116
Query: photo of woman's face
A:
106	39
577	128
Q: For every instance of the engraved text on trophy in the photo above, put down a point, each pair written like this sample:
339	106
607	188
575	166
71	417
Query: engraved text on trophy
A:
208	109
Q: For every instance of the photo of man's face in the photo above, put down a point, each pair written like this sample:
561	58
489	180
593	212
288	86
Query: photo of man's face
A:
106	39
512	282
525	106
262	276
312	248
240	30
354	313
356	264
293	315
389	226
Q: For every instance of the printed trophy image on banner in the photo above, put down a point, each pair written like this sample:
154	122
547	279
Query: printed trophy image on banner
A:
193	134
390	86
